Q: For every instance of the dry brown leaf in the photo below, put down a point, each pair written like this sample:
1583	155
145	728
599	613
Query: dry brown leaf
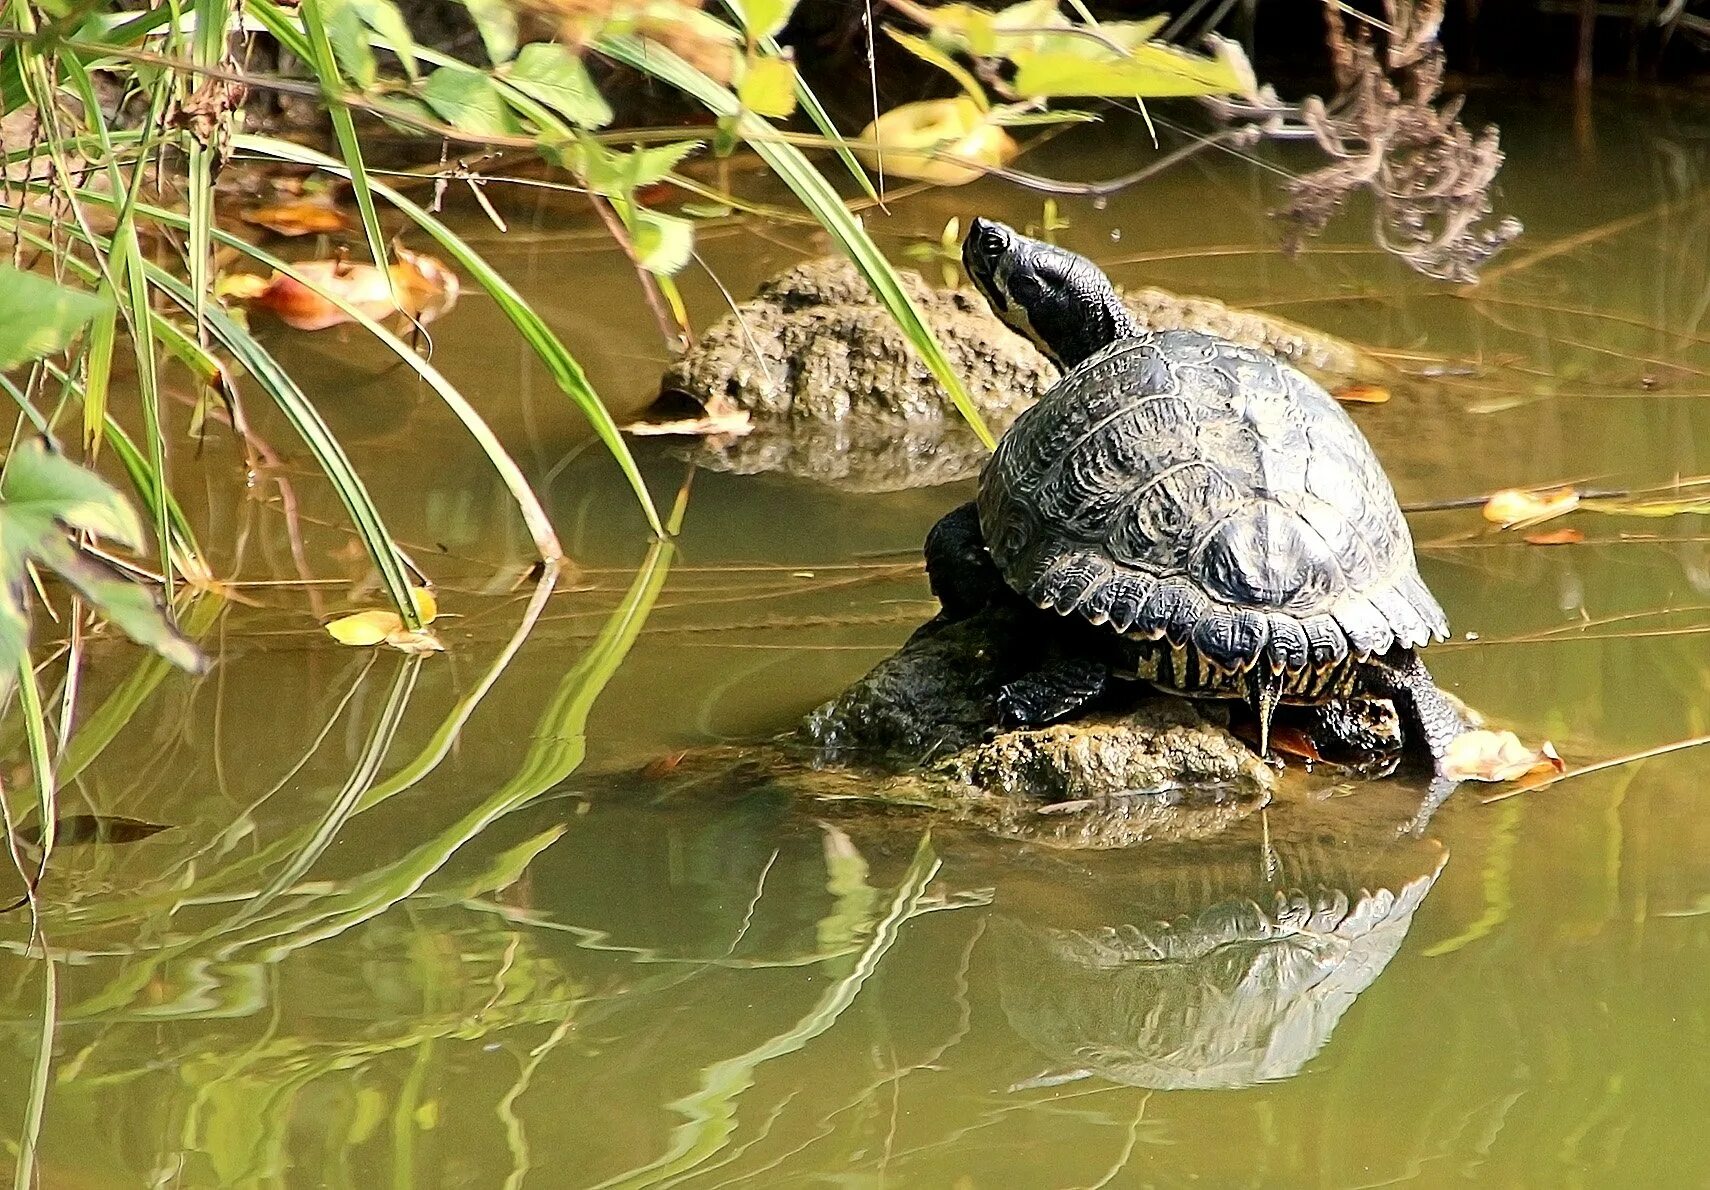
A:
316	215
1516	506
1496	756
662	766
1568	536
1286	740
733	423
1362	394
420	286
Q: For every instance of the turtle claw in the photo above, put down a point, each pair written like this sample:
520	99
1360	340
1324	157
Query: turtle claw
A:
1051	693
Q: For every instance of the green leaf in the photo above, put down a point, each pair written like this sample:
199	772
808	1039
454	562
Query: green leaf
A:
132	607
617	175
349	37
769	87
38	317
548	72
933	56
565	371
45	496
41	488
497	23
1078	67
468	101
817	195
664	244
766	18
383	17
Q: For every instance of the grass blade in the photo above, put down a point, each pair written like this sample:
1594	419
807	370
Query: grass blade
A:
325	67
565	370
816	194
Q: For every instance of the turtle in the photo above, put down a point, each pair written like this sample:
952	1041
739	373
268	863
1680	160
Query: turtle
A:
1192	513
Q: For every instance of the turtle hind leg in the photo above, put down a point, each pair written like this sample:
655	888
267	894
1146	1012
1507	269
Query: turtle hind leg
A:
964	578
1428	716
1052	692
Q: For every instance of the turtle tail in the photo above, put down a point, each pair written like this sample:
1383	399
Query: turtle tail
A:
1264	691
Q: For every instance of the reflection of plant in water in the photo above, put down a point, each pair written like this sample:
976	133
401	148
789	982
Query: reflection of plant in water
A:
1387	130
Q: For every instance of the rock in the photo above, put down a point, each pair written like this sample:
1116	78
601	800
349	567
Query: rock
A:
813	345
1160	747
835	393
1149	766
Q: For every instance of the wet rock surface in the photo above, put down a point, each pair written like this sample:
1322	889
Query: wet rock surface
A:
917	734
835	393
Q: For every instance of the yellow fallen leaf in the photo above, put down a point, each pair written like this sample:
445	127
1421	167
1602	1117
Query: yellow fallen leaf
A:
1517	507
313	215
362	629
918	140
1495	756
377	626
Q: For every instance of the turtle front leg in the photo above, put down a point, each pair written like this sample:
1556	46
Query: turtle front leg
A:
964	578
1054	691
1428	716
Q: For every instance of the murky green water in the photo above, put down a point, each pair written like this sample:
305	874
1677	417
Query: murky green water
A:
404	932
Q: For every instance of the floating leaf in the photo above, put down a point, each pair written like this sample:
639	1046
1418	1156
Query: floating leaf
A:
915	140
421	287
469	101
769	87
1568	536
547	72
1362	394
365	629
1496	756
38	317
312	215
361	629
1515	506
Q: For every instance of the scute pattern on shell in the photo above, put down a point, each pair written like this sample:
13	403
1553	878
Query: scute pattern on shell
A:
1177	485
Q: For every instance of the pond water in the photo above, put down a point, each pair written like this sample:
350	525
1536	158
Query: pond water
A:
417	922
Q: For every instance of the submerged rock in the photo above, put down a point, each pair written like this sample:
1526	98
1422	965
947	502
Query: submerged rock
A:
835	393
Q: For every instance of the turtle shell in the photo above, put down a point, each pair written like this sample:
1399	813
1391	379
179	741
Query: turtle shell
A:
1178	485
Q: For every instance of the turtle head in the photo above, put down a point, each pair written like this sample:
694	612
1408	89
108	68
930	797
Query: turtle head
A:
1058	299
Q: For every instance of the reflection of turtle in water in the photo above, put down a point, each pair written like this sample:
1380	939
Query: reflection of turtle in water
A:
1234	989
1212	520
